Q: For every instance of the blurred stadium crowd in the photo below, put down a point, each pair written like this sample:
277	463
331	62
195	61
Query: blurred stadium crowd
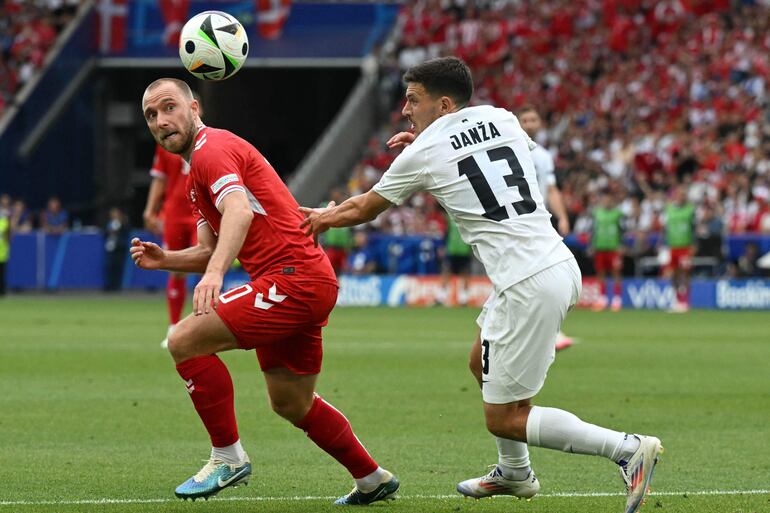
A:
28	29
640	96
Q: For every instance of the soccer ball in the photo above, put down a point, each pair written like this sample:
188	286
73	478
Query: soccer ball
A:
213	45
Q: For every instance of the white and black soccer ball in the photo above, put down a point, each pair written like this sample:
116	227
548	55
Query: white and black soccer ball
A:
213	45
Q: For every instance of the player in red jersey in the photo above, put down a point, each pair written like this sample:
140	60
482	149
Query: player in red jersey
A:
168	214
244	210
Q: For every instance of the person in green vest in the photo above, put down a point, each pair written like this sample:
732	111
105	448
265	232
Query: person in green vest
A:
679	223
5	238
607	248
457	262
337	242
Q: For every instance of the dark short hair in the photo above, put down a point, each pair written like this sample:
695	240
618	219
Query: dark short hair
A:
445	76
527	107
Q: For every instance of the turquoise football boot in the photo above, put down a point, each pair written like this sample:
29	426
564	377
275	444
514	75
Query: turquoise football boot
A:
215	476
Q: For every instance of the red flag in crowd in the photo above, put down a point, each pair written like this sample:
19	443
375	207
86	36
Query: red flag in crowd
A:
175	15
111	23
271	16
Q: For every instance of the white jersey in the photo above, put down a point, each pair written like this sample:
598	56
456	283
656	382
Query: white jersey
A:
544	168
477	164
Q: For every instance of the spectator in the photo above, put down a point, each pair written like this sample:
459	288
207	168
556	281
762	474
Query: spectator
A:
457	262
116	235
362	259
708	233
607	249
21	217
27	32
5	206
338	241
54	219
646	96
679	221
746	266
759	210
458	253
433	220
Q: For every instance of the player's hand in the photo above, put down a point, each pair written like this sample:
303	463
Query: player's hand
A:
563	226
206	295
313	224
401	139
147	255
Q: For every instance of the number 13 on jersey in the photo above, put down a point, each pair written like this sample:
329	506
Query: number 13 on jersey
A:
492	208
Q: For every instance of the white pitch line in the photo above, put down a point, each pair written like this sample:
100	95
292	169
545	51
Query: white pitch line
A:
402	497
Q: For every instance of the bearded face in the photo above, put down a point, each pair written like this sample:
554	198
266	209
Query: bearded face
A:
171	118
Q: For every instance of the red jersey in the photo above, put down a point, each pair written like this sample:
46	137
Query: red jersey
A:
222	163
173	169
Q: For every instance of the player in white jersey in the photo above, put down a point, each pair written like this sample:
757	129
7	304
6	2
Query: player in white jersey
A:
476	162
546	179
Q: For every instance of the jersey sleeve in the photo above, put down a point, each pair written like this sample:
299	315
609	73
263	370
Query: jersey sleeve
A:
159	163
222	173
198	217
405	176
544	166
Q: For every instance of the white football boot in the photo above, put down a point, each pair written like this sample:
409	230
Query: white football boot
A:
495	484
637	473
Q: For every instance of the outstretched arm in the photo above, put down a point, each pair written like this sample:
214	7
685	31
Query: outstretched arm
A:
148	255
356	210
212	256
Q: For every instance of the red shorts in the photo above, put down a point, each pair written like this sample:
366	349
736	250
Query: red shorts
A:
178	236
681	258
607	261
281	318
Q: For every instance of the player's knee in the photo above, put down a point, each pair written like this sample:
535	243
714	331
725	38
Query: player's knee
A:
509	423
175	345
291	410
178	345
497	426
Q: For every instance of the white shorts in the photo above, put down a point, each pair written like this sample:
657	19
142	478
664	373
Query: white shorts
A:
518	332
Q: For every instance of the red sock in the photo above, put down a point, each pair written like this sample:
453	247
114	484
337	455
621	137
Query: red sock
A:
211	391
603	288
175	296
617	288
331	431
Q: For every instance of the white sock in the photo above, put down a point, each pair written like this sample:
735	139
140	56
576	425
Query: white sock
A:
561	430
513	459
232	454
368	483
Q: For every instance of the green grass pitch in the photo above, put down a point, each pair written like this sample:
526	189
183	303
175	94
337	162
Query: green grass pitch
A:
93	416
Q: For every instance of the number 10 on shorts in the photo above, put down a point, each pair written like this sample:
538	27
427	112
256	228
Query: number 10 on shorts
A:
259	299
